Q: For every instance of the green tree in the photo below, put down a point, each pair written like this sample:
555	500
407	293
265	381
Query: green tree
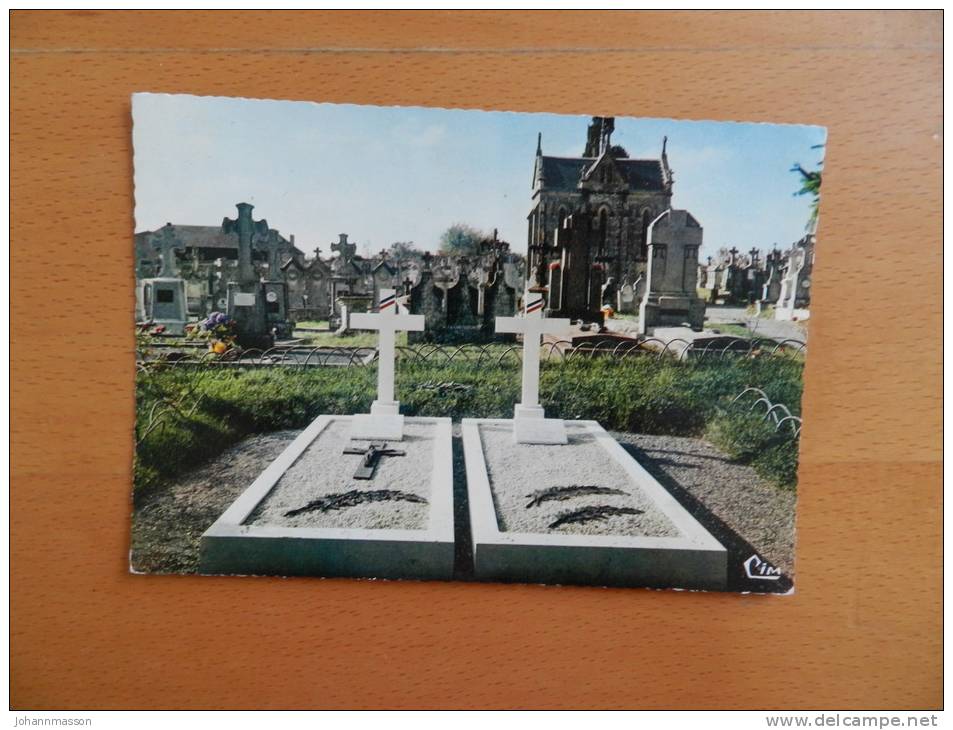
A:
461	239
404	250
810	185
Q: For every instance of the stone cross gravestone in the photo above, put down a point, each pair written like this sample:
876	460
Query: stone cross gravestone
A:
167	244
384	421
530	425
246	303
163	300
344	248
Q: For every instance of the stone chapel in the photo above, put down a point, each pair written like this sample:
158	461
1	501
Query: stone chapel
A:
622	196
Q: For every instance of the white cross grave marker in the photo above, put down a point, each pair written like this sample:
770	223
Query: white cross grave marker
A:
384	422
530	425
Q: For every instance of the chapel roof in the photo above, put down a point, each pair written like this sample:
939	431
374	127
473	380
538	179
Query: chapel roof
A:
562	174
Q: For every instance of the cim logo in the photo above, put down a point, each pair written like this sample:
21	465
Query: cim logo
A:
759	569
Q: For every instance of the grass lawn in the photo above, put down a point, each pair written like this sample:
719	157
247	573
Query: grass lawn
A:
729	328
357	338
187	415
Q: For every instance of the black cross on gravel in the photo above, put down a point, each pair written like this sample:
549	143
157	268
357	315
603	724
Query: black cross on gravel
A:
372	456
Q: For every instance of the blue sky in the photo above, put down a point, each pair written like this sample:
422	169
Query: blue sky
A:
385	174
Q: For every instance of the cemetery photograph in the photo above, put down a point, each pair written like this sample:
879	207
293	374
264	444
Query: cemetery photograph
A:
439	344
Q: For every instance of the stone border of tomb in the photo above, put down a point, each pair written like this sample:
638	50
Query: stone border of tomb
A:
230	547
694	560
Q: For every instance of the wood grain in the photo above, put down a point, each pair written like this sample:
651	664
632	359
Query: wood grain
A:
863	631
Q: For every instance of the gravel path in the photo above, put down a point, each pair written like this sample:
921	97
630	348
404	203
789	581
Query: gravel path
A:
743	512
166	528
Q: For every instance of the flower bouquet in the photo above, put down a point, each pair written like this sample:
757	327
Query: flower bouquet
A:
218	329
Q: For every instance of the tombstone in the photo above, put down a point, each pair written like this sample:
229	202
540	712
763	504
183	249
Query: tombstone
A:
196	283
481	277
725	277
164	303
246	297
670	296
342	501
446	276
427	301
713	279
224	271
732	286
530	425
502	299
164	299
626	302
462	323
513	274
449	303
702	276
145	269
609	291
347	285
309	282
771	288
753	276
384	420
794	296
802	292
346	250
275	288
383	276
580	275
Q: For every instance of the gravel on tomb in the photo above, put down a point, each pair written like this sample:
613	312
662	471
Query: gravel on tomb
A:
759	514
323	470
517	471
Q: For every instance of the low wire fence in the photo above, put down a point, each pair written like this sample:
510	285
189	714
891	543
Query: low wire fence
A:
481	355
778	413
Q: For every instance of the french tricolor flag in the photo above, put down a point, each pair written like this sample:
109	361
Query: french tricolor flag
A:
534	305
388	300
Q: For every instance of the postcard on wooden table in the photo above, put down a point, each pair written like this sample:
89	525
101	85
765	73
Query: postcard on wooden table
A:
435	344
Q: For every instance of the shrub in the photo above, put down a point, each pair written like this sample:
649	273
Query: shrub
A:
748	439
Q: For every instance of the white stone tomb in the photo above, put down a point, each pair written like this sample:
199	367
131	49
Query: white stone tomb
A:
342	501
567	504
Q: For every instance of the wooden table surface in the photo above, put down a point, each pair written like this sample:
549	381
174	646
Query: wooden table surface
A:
863	630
